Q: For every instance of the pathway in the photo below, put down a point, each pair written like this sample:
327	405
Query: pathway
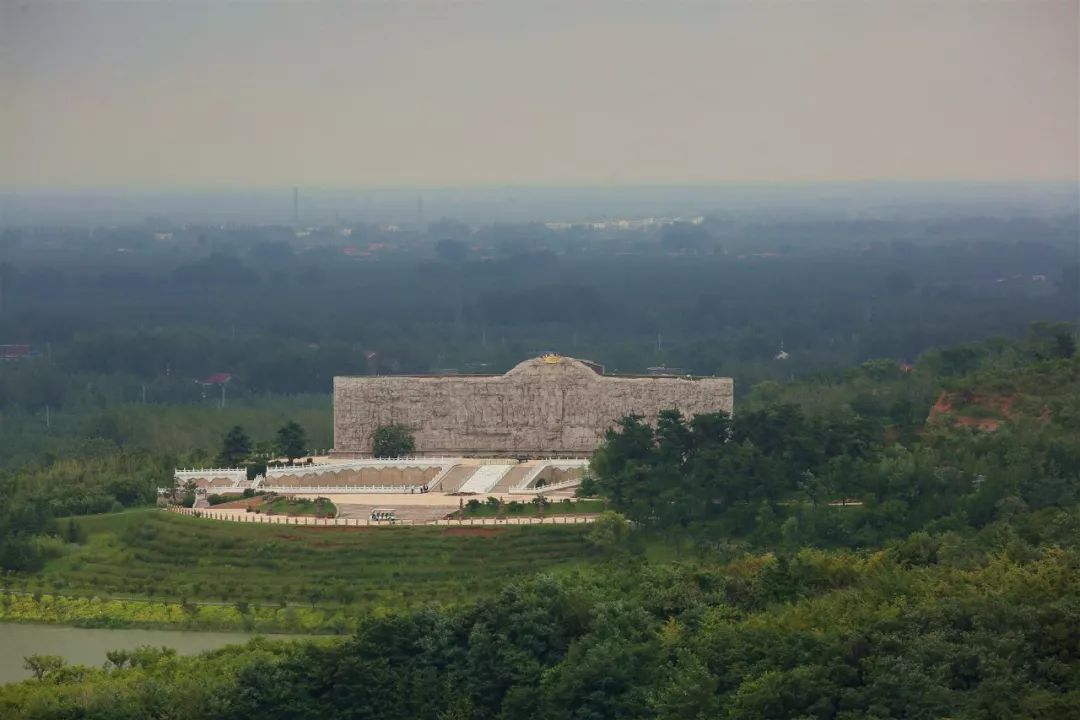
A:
258	518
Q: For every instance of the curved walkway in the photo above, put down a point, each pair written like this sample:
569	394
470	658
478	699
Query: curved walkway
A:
259	518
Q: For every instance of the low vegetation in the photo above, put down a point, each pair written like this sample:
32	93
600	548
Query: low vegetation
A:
294	507
810	635
163	562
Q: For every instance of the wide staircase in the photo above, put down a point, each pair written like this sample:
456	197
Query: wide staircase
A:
511	479
552	475
453	480
485	478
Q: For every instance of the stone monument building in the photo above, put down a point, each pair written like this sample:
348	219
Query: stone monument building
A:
544	407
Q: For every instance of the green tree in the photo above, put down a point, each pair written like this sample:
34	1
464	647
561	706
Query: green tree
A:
609	531
394	440
688	691
292	441
235	447
74	533
586	488
18	553
118	658
43	666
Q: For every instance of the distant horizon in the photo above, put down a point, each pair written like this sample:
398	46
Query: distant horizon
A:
480	205
720	184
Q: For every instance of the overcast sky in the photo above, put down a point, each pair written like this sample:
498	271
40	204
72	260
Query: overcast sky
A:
458	92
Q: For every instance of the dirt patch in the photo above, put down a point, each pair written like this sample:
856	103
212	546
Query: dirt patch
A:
471	531
950	408
988	424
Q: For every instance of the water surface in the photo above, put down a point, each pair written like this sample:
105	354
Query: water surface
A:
82	646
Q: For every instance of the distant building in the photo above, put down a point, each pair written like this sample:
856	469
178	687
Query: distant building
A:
17	352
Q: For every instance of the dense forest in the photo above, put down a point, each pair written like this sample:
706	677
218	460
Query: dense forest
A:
127	314
883	542
108	319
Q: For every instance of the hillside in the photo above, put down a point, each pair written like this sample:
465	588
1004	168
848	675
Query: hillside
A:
166	567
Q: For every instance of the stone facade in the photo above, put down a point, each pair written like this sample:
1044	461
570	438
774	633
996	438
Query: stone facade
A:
549	406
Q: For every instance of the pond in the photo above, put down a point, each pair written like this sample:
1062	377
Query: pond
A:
82	646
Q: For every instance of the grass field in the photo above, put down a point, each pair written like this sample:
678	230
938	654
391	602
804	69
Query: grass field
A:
153	555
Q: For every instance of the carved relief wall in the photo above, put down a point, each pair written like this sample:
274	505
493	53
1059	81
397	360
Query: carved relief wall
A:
545	406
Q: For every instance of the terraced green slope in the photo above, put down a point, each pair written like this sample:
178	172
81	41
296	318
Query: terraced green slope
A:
154	555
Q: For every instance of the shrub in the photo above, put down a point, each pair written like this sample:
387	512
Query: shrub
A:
587	488
74	533
19	554
609	531
49	546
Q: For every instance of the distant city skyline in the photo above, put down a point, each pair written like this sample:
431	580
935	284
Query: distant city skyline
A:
420	93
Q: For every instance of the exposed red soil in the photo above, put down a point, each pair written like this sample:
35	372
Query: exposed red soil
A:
945	410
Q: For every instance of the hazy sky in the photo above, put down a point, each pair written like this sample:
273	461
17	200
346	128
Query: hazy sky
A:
458	92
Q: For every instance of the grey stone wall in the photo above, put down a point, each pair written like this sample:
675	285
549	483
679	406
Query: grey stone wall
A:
542	407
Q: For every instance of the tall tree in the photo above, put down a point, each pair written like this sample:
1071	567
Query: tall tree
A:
235	447
394	440
292	440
